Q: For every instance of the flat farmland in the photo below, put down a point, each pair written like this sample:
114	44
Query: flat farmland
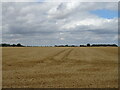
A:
60	67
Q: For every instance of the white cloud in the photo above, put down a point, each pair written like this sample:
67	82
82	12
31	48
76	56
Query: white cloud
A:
18	0
57	22
59	0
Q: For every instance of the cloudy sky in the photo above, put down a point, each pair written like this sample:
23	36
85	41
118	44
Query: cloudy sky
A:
54	23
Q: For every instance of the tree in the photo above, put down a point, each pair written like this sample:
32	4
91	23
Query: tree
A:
88	45
19	45
13	45
66	45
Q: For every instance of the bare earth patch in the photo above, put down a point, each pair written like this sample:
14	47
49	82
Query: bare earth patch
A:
56	67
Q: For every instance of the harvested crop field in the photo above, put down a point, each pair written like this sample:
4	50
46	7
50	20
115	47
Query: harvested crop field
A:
60	67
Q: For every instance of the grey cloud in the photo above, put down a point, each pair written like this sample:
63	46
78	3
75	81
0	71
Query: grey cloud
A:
41	23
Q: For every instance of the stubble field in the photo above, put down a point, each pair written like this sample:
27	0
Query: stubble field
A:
60	67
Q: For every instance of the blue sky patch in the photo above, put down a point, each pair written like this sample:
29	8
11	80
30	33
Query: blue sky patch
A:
105	13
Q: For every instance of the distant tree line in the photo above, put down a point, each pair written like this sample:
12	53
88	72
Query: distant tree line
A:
87	45
105	45
66	46
11	45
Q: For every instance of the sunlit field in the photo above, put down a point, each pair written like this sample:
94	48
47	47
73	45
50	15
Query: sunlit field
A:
60	67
